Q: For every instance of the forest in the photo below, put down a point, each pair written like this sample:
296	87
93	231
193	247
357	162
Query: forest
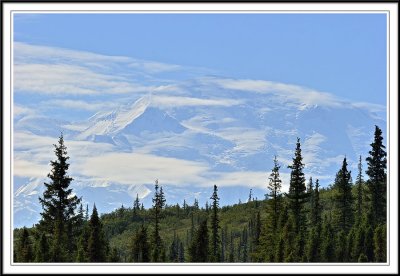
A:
342	223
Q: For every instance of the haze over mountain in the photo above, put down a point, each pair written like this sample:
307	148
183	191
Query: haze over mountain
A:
128	122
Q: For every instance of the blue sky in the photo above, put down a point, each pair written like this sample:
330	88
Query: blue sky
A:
343	54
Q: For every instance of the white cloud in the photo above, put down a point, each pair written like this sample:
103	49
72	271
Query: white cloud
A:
312	149
251	179
285	91
20	110
137	168
247	140
173	101
26	52
64	79
25	168
80	105
155	67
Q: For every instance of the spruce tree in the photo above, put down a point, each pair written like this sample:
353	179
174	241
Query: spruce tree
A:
274	187
174	249
59	205
376	183
343	199
82	251
297	190
316	210
199	248
314	241
215	238
359	193
96	243
136	205
158	205
139	247
298	197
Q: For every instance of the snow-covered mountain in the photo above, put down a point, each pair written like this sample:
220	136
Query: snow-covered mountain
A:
222	135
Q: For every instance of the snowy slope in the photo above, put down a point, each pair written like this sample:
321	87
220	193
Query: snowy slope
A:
229	138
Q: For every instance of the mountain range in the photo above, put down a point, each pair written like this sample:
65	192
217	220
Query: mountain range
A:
216	132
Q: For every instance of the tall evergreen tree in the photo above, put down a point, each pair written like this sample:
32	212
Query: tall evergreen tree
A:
298	197
359	193
136	205
158	205
59	205
274	187
215	238
96	243
174	249
140	248
297	190
376	183
316	210
343	199
199	248
314	241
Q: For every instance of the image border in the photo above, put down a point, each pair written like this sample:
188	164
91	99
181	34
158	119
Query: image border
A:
9	8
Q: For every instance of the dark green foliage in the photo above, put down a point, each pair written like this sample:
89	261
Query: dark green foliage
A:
343	199
279	251
376	183
380	243
59	205
24	247
82	254
140	248
96	251
359	243
328	243
297	190
113	256
199	249
215	238
359	194
313	245
42	249
157	243
351	239
136	205
289	236
175	254
231	257
269	232
341	247
369	244
362	258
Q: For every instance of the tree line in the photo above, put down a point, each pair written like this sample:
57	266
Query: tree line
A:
345	222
